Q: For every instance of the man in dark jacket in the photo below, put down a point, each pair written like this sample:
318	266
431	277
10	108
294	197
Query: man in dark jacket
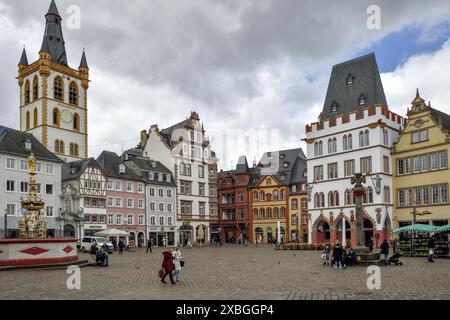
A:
121	246
337	254
385	250
431	246
370	244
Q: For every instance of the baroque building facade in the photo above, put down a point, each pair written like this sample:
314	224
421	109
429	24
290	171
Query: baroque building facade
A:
53	96
354	133
420	162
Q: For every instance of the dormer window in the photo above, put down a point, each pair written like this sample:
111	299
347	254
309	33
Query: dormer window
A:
350	79
362	100
28	145
334	107
122	169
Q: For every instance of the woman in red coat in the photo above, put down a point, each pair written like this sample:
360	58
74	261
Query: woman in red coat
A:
167	264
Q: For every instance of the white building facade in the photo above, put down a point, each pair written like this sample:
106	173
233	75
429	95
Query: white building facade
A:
348	140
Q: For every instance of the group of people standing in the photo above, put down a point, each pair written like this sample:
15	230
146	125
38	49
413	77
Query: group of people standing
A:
339	257
171	265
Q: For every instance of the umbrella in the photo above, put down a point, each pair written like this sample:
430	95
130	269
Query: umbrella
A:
112	233
420	228
445	228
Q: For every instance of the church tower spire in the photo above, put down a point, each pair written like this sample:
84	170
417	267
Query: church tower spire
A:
53	41
53	95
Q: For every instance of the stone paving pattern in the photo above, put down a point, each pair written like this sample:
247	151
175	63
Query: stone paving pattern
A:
232	272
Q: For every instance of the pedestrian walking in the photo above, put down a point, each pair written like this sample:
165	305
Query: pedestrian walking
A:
121	246
431	247
370	244
337	255
177	258
327	253
104	251
114	243
385	250
93	252
149	246
167	265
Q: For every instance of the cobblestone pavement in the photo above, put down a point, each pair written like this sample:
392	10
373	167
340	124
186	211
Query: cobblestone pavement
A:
232	272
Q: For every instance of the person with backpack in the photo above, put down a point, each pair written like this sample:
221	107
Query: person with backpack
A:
385	250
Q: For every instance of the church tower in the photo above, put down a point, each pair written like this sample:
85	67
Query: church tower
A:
53	96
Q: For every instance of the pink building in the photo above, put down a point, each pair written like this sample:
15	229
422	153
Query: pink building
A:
125	198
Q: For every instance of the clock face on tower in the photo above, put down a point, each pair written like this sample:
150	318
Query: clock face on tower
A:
66	116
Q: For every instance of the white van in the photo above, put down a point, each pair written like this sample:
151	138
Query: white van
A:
87	242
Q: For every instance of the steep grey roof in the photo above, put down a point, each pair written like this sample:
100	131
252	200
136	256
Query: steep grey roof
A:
366	81
73	170
441	117
291	164
242	165
110	162
167	132
53	41
137	164
23	58
134	152
13	142
83	63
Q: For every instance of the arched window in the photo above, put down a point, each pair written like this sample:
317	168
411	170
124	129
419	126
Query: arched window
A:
320	148
387	194
350	79
261	196
366	138
336	199
350	142
362	100
27	92
361	139
76	150
73	93
316	149
330	199
370	194
71	151
56	146
56	117
344	142
334	145
27	120
275	195
385	137
294	204
76	122
262	214
322	200
61	147
275	212
268	197
348	197
316	200
35	118
283	194
269	213
58	89
255	213
283	212
35	88
255	196
330	146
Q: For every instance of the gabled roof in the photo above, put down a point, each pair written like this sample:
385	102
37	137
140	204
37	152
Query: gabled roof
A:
73	170
441	118
145	164
286	162
366	81
53	41
13	142
110	162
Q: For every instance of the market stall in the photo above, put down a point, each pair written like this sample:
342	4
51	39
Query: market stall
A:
413	239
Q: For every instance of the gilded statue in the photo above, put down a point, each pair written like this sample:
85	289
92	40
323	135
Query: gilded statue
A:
31	164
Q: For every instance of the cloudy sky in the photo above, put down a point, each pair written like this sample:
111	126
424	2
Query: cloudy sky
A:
250	68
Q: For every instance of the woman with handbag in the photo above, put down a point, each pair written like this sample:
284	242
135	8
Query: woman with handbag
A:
167	266
177	262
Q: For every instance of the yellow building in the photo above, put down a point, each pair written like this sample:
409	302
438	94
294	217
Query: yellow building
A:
298	215
269	204
420	159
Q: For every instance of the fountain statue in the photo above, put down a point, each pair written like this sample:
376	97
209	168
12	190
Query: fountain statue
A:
32	224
